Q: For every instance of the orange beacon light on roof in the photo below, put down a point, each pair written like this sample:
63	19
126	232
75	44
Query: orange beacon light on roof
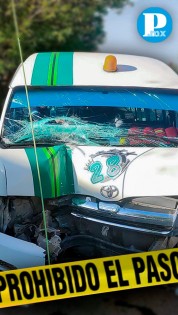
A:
110	64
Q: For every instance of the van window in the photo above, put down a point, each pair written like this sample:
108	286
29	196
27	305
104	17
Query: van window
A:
93	116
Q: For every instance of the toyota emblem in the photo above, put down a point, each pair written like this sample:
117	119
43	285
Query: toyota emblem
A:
109	191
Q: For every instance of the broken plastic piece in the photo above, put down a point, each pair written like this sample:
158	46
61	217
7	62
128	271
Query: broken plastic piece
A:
20	253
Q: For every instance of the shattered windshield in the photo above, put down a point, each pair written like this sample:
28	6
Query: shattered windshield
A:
93	116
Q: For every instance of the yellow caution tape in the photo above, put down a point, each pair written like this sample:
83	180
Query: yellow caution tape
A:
66	280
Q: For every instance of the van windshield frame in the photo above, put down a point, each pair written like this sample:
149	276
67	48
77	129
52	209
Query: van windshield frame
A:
112	114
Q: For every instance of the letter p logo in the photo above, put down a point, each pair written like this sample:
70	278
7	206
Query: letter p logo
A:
154	21
154	24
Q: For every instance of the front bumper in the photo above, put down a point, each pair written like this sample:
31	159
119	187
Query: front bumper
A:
138	224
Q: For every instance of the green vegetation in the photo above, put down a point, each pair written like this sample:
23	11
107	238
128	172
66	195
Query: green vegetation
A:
50	25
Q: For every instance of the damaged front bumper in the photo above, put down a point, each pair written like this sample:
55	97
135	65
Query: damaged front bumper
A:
83	227
138	214
138	224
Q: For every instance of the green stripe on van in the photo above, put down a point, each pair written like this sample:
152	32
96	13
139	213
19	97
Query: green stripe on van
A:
45	172
65	69
56	159
41	69
55	169
56	69
51	169
53	69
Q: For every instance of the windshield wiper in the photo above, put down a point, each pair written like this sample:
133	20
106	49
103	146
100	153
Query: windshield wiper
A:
28	144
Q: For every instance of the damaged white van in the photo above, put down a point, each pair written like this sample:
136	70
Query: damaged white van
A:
106	130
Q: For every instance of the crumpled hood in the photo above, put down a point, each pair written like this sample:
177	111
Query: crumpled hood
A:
106	173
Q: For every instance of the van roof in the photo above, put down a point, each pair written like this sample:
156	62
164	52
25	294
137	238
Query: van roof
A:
86	69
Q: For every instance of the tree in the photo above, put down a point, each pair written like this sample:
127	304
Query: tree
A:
50	25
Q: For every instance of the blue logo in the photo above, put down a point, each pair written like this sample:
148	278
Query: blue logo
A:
154	25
